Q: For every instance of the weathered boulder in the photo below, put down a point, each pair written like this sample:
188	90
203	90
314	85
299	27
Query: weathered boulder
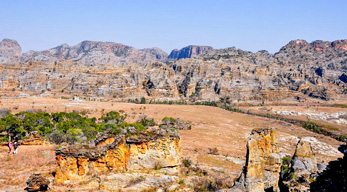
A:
303	168
304	160
263	163
36	182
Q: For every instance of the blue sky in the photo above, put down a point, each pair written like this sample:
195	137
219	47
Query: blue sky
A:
249	25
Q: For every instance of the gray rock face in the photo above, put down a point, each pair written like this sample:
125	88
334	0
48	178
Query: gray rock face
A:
321	166
188	52
304	161
303	169
9	50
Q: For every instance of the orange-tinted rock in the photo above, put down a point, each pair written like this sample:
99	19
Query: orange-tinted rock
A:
75	163
34	139
263	165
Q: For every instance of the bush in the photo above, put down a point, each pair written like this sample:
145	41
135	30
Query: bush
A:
57	137
157	166
187	162
181	182
286	160
147	122
143	100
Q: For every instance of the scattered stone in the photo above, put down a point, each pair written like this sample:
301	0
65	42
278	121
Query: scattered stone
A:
36	182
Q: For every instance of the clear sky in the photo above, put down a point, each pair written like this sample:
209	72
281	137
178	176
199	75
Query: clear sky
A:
249	25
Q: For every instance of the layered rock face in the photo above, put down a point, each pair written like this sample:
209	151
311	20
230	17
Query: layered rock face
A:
263	163
188	52
110	70
114	154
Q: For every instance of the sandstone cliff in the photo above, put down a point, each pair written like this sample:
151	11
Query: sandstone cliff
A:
263	163
121	153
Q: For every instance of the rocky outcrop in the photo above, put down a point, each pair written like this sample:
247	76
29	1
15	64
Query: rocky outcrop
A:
36	182
119	154
263	163
188	52
33	139
303	168
9	50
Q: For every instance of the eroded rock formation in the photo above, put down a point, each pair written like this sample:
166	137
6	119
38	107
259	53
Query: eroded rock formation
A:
303	168
121	153
115	71
263	163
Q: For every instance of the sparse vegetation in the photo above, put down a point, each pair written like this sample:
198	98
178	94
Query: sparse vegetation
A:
73	127
186	162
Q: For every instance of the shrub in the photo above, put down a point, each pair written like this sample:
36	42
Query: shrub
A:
286	160
187	162
181	182
113	117
143	100
147	122
57	137
293	176
157	166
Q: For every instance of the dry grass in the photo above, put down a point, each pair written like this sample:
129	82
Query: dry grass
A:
15	169
212	128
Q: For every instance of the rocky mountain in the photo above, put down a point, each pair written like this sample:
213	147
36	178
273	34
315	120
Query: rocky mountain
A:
188	52
299	71
95	53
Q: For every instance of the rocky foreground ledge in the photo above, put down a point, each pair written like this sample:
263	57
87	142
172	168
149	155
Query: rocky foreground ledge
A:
123	156
155	147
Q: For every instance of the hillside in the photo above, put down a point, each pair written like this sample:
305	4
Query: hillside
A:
298	72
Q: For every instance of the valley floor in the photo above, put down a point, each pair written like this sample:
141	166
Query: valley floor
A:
212	128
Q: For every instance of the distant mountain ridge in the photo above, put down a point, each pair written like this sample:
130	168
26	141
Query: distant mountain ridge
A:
96	52
299	71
